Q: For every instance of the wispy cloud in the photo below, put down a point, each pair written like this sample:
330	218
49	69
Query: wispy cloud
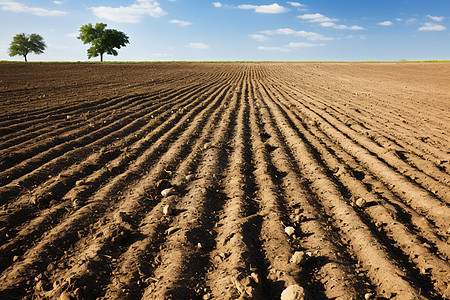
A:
313	36
296	4
197	46
265	9
336	26
327	22
432	27
16	7
217	4
410	21
315	18
386	23
130	14
258	37
437	19
58	2
181	23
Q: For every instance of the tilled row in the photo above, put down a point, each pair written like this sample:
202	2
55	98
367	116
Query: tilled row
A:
235	184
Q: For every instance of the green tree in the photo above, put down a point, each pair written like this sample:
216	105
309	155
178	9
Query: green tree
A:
102	40
23	44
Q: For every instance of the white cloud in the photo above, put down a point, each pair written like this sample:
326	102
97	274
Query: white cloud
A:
296	4
437	19
258	37
129	14
58	2
313	36
12	6
197	46
266	9
304	45
217	4
316	18
410	21
327	22
336	26
432	27
181	23
281	49
386	23
399	19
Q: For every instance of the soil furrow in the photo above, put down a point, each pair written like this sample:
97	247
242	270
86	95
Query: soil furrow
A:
73	139
224	181
184	254
97	204
272	207
412	194
382	270
426	262
333	269
236	261
138	262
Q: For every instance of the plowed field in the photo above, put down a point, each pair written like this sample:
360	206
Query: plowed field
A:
201	181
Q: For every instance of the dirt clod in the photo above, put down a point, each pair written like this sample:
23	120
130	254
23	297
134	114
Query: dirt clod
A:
293	292
360	202
289	230
168	192
368	296
167	209
299	258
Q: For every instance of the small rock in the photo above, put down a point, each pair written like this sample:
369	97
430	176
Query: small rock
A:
299	258
255	277
199	246
360	202
289	230
207	296
189	177
167	210
293	292
368	296
206	145
168	192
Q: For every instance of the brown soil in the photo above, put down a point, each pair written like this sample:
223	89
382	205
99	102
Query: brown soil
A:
354	157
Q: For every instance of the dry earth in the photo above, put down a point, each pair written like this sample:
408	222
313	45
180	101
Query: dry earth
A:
344	165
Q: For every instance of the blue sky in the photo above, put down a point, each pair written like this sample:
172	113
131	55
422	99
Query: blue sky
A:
345	30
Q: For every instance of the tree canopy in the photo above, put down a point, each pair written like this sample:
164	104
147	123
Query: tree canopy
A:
102	40
23	44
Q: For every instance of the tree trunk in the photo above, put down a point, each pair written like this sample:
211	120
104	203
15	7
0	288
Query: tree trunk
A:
101	57
25	58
